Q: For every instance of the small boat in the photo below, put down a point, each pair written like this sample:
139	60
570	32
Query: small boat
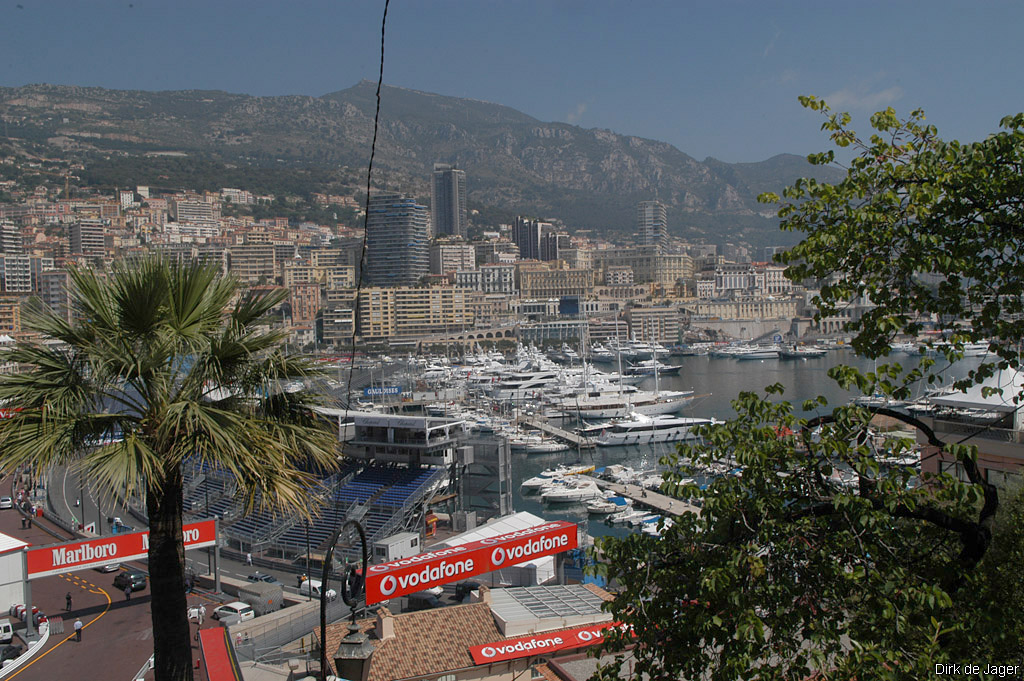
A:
608	505
546	446
623	517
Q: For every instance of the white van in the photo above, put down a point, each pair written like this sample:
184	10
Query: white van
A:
6	631
312	585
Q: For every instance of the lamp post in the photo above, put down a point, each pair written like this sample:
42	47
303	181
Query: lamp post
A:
355	649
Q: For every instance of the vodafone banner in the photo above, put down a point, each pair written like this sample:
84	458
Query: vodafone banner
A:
77	555
422	571
541	644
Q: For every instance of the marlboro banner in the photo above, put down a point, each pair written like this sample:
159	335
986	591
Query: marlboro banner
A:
78	555
422	571
540	644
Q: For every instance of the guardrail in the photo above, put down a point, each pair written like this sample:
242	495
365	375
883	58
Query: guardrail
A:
978	430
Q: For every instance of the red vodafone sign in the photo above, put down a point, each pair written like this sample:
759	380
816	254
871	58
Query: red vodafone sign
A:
541	644
77	555
424	570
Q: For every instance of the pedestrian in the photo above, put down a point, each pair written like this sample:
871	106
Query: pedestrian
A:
248	559
67	601
128	592
78	629
202	613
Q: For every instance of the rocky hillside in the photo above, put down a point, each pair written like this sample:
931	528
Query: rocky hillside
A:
586	177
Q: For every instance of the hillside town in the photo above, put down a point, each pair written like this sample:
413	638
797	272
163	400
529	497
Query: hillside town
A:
424	280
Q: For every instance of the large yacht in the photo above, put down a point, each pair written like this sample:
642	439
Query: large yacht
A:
523	385
640	429
620	403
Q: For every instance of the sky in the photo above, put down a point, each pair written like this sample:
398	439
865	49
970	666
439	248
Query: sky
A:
714	78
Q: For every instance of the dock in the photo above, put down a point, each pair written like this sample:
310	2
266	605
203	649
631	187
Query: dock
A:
544	426
642	497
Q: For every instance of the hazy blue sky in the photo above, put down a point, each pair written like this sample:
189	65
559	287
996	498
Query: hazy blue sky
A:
714	78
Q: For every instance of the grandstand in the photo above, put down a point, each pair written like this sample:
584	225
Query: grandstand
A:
393	466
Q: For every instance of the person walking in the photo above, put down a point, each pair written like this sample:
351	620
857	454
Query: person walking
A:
202	614
128	592
67	602
78	629
248	559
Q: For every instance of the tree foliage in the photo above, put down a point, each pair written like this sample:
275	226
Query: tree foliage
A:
167	363
817	558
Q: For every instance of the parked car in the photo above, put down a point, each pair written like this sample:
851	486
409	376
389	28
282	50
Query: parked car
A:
243	611
6	631
464	590
136	579
422	600
311	587
260	577
6	502
10	652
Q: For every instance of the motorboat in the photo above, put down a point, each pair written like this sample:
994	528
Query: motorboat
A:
558	472
802	352
546	446
642	429
751	353
614	504
570	491
650	367
626	515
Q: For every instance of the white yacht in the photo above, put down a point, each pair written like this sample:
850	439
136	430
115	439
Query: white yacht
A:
523	385
620	404
571	490
641	429
614	504
558	472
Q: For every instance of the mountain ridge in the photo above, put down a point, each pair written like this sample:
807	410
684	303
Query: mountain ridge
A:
587	177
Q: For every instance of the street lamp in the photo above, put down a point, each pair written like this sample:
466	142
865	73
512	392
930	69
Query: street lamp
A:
355	649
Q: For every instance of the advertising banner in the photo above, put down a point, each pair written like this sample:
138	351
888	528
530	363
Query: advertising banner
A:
540	644
424	570
56	559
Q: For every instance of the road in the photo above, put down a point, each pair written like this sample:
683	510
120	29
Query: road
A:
117	634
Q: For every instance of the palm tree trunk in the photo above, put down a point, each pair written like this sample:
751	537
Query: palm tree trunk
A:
172	645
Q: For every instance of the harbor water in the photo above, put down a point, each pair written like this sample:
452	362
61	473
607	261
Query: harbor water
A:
718	380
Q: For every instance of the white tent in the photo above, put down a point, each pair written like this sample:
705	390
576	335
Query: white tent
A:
1011	384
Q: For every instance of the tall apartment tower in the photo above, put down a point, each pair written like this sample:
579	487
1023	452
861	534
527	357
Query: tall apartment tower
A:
652	223
397	251
448	201
527	235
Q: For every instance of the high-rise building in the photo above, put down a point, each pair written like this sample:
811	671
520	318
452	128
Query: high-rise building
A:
396	241
527	236
448	201
652	223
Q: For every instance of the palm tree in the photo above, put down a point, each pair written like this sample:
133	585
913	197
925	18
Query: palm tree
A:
174	361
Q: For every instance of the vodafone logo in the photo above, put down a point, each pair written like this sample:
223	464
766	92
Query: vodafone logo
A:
441	566
523	646
588	635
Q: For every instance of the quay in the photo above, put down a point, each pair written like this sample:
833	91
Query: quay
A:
542	425
656	501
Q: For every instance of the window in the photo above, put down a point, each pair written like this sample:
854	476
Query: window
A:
446	677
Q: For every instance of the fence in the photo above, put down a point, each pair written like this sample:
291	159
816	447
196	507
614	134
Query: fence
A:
259	639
